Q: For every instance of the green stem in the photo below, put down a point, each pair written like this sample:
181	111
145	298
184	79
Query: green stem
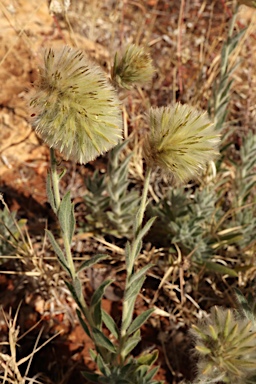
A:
132	255
56	193
138	223
55	179
69	255
73	274
143	203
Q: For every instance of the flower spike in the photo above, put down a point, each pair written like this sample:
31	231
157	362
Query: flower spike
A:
74	108
181	141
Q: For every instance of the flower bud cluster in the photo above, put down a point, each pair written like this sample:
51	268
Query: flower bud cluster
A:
134	67
226	346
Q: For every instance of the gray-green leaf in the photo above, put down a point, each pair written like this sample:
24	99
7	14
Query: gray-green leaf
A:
93	260
110	324
102	340
66	217
58	251
139	321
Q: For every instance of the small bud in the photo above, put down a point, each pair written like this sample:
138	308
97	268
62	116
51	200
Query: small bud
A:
181	141
133	68
74	108
226	347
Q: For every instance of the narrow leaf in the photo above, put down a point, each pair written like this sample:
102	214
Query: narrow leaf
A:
74	295
102	340
66	216
83	323
244	306
77	286
131	343
110	324
102	365
93	260
216	267
129	314
58	251
141	272
96	312
145	229
98	294
62	173
127	255
93	377
150	374
139	321
93	355
95	307
134	289
49	192
141	371
148	359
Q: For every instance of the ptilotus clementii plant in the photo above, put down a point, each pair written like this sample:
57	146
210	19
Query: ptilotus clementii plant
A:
76	111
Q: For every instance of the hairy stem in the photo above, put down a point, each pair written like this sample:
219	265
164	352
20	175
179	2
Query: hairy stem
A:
56	193
139	220
133	254
55	178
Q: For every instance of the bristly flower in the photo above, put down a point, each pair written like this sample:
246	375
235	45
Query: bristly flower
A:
74	108
181	141
134	67
226	347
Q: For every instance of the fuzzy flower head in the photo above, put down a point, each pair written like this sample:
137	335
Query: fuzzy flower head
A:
134	67
181	141
74	108
226	347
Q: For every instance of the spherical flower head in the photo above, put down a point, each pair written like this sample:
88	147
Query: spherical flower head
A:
74	108
134	67
226	347
181	141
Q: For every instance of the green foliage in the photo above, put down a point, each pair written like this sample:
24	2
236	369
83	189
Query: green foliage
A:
226	344
186	219
135	371
66	217
112	354
245	208
65	214
226	347
218	105
201	223
110	202
247	168
10	231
